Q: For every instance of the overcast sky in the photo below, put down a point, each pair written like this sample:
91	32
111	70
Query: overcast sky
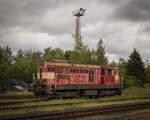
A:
38	24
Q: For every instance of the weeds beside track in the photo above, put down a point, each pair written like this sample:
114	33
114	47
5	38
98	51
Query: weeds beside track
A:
80	112
62	104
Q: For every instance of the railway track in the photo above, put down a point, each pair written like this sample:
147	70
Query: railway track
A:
80	112
18	102
60	104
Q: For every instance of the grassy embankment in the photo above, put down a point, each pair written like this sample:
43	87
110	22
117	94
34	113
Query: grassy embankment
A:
16	93
62	107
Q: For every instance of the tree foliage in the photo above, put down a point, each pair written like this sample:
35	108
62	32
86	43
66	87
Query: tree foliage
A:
100	54
147	71
51	54
6	60
135	68
25	64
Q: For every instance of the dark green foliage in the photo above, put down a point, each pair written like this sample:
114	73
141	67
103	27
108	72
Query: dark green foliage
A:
122	73
26	64
113	63
100	54
6	61
51	54
67	54
135	68
147	71
82	54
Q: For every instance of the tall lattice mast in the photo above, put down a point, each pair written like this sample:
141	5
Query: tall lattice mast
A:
78	14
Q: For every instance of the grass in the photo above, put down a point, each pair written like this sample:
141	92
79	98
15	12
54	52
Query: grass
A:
77	100
114	102
16	93
128	94
71	106
15	100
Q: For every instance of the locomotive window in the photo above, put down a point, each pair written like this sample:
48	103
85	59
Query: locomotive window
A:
112	72
92	72
106	73
62	73
77	70
40	73
103	72
81	71
59	70
86	71
91	75
109	72
50	69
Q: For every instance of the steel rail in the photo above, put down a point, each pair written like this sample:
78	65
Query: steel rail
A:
79	112
59	104
18	102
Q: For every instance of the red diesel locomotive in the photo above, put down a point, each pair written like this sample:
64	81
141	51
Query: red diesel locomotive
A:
63	79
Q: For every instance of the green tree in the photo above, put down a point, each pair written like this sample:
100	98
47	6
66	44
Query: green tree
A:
51	54
80	53
126	81
6	60
147	71
113	63
25	64
67	55
100	54
135	68
75	57
86	57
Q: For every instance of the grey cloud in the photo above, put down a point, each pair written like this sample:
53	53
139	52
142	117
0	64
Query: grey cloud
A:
142	44
133	10
30	13
112	2
145	27
49	23
18	12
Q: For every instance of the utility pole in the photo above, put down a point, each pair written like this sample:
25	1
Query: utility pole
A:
78	14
